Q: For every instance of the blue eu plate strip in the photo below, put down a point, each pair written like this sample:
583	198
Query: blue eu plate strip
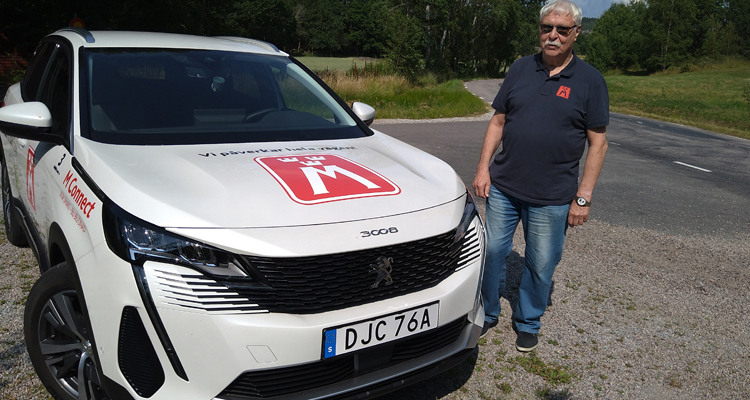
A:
330	344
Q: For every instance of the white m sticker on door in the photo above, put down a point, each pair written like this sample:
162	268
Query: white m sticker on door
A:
321	178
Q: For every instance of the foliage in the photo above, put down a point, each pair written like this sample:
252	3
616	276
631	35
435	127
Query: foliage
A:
738	14
406	40
668	34
320	25
365	35
669	26
587	24
268	20
450	37
446	37
617	38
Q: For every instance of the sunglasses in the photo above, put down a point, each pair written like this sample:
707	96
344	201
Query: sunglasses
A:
561	30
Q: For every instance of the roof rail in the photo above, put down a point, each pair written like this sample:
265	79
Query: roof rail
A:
254	42
84	33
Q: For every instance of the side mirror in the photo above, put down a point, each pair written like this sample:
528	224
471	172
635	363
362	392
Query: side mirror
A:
364	112
31	120
33	114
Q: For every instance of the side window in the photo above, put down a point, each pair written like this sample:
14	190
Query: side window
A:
55	89
35	72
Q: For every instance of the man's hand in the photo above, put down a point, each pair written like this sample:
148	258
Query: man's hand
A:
492	138
482	184
577	214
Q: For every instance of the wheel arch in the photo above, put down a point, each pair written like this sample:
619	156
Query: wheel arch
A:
58	249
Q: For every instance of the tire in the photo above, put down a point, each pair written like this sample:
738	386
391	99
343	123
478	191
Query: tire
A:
58	338
13	230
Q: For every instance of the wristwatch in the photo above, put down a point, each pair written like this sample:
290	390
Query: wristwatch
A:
582	202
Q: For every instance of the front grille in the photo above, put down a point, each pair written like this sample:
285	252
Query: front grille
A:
307	285
282	381
323	283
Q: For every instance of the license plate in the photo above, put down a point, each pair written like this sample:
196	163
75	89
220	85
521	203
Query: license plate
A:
365	334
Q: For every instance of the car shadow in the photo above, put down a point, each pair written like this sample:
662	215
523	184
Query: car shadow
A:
440	385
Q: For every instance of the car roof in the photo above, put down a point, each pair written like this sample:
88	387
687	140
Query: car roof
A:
136	39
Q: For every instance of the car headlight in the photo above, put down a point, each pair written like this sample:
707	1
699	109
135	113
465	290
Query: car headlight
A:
137	241
470	236
474	247
470	213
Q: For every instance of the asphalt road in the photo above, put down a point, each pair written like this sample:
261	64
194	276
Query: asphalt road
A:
658	176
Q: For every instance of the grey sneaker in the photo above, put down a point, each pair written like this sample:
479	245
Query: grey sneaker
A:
526	342
486	328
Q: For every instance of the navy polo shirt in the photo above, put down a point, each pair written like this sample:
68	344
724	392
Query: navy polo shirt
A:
545	128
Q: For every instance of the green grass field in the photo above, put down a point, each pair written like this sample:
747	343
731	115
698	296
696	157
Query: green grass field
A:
716	98
330	63
446	100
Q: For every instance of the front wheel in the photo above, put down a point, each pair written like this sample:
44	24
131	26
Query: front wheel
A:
58	339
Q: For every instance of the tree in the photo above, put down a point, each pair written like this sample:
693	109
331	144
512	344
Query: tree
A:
405	44
363	20
669	30
320	25
617	38
738	13
268	20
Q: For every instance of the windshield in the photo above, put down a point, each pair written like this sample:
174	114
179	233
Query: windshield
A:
166	96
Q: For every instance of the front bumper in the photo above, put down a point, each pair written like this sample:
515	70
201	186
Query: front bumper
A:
231	355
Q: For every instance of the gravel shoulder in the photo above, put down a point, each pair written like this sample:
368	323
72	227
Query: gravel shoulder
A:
634	314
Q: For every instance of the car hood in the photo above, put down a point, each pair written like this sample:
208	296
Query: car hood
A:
262	185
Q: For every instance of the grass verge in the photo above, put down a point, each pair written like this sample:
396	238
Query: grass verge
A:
715	97
395	97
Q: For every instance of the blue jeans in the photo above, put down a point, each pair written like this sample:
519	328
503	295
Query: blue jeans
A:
544	230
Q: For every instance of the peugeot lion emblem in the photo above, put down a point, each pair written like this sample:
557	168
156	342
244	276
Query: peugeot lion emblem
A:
383	268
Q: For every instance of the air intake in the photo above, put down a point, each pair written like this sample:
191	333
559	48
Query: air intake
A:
136	355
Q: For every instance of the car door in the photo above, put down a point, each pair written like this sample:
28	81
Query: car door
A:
33	163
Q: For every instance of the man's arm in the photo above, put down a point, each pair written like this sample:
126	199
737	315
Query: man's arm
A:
597	139
492	137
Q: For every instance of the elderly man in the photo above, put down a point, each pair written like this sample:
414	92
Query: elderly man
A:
549	106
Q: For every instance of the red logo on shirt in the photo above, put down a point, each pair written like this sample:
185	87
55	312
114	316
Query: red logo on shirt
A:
320	178
563	92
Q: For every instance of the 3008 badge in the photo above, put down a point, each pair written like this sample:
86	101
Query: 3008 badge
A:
378	232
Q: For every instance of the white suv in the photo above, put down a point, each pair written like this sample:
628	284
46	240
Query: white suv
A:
213	222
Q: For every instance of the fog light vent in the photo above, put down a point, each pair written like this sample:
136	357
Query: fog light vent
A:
136	355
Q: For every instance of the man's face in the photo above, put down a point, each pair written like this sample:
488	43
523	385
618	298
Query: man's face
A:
553	43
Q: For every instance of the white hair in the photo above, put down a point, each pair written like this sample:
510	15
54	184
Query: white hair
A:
563	7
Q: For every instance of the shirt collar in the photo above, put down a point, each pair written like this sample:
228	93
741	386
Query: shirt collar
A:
565	73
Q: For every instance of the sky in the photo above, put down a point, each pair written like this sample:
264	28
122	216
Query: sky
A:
595	8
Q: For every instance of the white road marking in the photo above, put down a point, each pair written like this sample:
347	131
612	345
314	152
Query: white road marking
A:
693	166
